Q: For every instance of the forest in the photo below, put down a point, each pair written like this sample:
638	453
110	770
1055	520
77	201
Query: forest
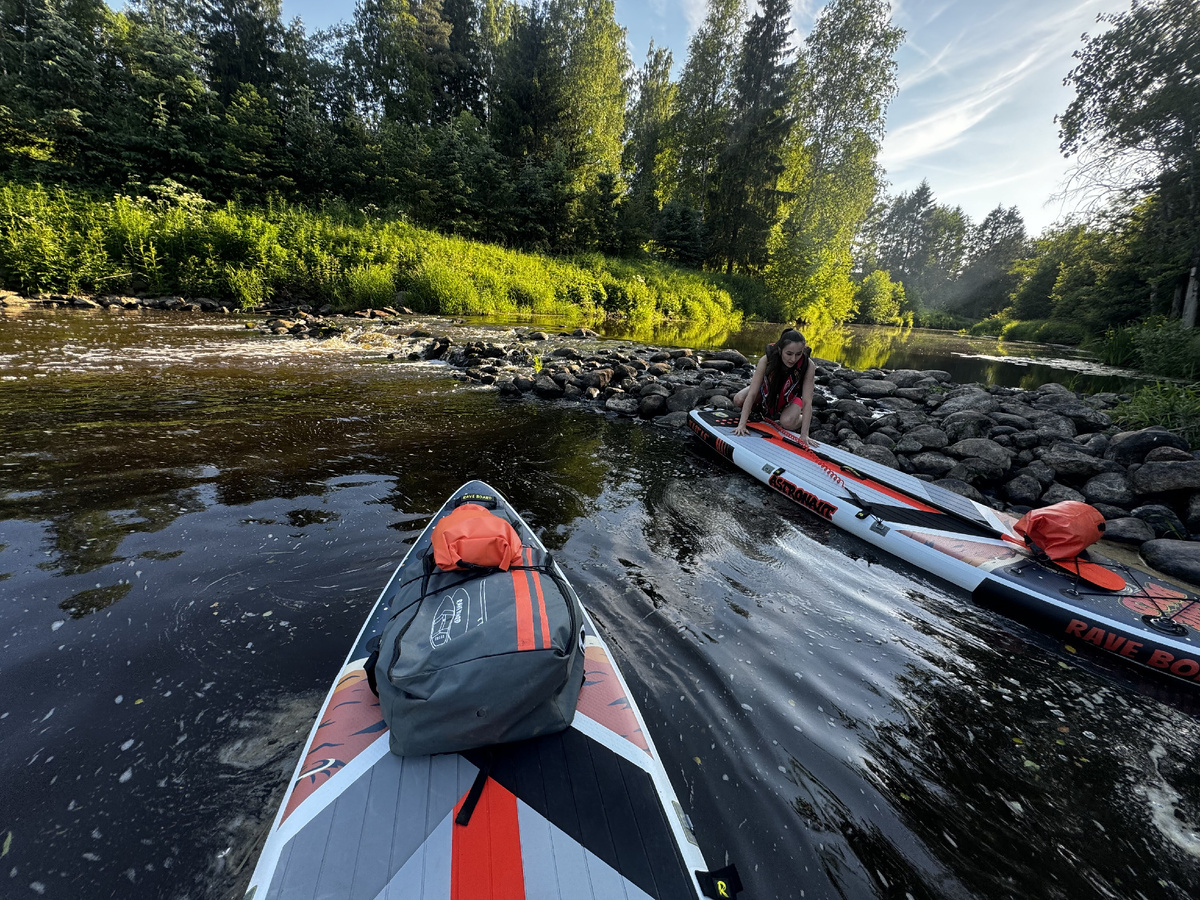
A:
748	172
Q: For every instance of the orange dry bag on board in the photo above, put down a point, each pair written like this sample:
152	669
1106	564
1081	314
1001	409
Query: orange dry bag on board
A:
472	537
1061	530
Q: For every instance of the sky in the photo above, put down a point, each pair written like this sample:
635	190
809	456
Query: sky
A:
979	86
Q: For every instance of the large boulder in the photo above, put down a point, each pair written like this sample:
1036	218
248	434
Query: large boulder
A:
879	454
622	404
1057	493
967	399
1130	447
547	387
1167	477
686	398
1128	530
1109	487
1071	464
967	423
983	449
1024	490
1051	427
1180	559
934	464
927	437
872	389
1162	519
905	378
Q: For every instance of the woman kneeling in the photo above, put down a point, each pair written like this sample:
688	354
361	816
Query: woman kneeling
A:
782	386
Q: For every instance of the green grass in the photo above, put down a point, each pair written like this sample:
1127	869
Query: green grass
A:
65	241
1174	406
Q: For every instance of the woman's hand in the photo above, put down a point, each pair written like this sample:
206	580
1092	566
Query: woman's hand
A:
741	430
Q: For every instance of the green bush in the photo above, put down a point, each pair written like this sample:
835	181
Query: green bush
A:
1045	331
1174	406
1165	347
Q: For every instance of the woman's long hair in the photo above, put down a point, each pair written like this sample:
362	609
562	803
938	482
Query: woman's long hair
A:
776	371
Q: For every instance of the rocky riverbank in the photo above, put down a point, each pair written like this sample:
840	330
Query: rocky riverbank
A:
1012	449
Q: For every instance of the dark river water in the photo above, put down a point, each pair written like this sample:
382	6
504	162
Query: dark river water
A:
195	520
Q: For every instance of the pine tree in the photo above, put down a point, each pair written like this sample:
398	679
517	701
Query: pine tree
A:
705	100
747	198
648	158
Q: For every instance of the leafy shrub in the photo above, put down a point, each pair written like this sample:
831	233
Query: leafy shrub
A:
1165	347
1174	406
367	287
1045	331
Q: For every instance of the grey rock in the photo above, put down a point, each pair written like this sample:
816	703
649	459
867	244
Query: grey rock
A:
523	383
1162	519
1085	417
1093	444
1039	470
905	378
1130	447
1191	517
967	423
545	386
880	455
976	470
1051	427
685	363
1128	530
622	404
718	365
678	419
567	353
1057	493
652	405
871	389
967	399
720	401
1072	465
597	378
934	464
983	449
685	398
732	356
937	375
879	439
929	437
1110	512
1024	490
1167	477
1168	454
1109	487
913	394
1018	422
1179	559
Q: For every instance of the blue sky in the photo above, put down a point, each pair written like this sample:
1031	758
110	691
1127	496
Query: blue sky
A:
980	84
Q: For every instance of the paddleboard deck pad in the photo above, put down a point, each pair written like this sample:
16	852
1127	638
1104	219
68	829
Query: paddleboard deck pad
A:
587	813
1138	618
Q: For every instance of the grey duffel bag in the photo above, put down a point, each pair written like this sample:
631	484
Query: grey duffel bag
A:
473	658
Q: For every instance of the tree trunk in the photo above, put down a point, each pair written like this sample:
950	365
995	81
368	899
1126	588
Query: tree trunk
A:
1190	298
1177	300
1189	301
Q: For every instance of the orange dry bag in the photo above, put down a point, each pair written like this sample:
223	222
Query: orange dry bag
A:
472	537
1061	530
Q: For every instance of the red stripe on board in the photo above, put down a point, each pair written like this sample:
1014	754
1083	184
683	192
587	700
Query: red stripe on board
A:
524	610
486	855
833	467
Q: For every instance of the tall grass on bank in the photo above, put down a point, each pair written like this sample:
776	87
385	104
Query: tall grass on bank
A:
1174	406
1158	345
1039	331
59	240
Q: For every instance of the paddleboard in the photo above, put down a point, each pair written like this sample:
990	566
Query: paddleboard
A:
1123	612
585	814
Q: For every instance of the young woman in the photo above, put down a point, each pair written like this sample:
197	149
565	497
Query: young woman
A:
782	386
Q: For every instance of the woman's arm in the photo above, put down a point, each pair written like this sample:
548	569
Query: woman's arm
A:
807	393
751	400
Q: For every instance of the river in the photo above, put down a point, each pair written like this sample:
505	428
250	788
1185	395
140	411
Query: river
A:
195	519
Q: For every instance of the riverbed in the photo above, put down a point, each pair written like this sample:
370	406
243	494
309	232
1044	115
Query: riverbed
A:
195	519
